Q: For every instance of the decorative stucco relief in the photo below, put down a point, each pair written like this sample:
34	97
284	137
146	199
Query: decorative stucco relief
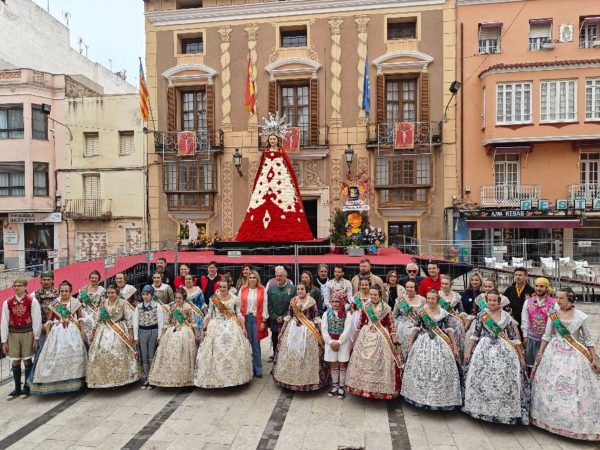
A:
335	24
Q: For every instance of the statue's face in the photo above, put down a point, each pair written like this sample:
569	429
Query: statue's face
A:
273	141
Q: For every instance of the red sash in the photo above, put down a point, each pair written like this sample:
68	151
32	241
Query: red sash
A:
260	302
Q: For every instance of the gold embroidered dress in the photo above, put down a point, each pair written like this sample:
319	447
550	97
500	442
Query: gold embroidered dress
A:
89	301
224	357
173	365
111	361
299	363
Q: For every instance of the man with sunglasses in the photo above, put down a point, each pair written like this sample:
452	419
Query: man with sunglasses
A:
412	274
20	330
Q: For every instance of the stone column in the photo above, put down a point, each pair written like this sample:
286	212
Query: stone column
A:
224	34
361	49
335	24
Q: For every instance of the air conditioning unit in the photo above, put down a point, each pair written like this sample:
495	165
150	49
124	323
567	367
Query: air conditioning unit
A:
548	45
595	44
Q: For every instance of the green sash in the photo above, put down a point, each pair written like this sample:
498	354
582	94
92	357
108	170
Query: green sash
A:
380	328
433	326
85	299
493	326
566	335
448	307
482	304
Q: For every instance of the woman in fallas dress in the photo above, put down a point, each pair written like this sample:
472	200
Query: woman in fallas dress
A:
405	314
496	386
566	385
173	365
375	366
90	297
299	362
431	374
60	366
113	358
224	358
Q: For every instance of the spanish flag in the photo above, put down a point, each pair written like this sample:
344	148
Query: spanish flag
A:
250	103
144	96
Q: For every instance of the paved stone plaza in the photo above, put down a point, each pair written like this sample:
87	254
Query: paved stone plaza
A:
258	415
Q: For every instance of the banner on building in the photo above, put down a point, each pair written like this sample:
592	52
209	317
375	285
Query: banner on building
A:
404	136
26	217
186	143
291	142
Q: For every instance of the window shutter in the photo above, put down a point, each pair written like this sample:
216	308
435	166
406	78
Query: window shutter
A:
539	31
171	109
272	96
489	33
91	186
380	99
424	97
314	111
210	112
126	143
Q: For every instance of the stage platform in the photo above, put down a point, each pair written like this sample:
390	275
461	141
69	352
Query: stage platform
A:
315	247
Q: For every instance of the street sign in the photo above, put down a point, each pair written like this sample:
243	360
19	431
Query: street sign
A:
234	253
149	256
52	254
584	244
109	262
500	249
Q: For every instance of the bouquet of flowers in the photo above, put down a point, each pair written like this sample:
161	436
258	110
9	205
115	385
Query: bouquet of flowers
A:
373	236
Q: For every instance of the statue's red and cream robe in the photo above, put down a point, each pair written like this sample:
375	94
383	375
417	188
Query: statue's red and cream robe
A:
275	213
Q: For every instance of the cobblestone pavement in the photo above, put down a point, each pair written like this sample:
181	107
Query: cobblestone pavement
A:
259	415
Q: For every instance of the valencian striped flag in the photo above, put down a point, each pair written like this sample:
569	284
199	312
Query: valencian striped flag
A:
144	96
250	103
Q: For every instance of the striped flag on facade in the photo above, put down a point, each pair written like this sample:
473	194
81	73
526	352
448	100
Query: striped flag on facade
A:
144	96
250	103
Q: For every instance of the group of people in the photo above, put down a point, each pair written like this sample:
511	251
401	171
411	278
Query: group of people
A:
518	358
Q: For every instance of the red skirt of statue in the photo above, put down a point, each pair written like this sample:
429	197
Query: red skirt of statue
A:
275	213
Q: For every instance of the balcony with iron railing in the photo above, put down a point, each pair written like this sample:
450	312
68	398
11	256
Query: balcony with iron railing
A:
426	135
170	144
308	139
589	192
509	195
88	209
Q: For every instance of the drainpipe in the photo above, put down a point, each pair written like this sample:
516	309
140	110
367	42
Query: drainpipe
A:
462	109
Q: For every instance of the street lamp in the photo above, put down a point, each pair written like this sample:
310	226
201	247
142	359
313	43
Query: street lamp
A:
349	156
237	161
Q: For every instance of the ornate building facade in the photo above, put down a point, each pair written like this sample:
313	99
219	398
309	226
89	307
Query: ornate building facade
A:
307	60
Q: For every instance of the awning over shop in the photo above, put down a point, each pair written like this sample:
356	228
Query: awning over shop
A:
527	223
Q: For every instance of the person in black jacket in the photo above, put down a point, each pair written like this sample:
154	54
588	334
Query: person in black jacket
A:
167	274
518	292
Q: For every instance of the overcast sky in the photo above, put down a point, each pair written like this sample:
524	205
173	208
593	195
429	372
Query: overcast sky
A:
112	29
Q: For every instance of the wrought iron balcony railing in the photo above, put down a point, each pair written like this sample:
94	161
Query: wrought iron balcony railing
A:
88	209
426	135
509	195
589	192
169	143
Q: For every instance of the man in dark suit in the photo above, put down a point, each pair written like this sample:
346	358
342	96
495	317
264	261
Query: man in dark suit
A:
518	292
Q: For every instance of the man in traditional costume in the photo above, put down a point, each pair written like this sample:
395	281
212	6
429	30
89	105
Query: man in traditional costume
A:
21	326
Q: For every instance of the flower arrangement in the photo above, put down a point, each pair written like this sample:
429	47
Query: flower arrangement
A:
374	236
205	240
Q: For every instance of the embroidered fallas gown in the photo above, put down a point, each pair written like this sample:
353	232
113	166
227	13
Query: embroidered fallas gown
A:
299	363
566	390
60	366
496	387
112	362
173	365
224	358
372	370
431	376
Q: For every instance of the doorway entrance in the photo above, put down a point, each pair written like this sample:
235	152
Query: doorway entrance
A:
39	238
310	209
